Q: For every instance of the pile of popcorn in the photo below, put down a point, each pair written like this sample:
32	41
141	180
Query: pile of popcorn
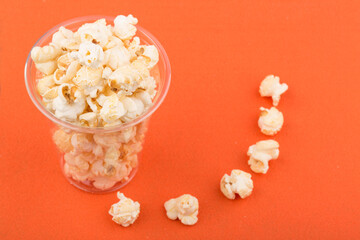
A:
97	76
100	160
186	207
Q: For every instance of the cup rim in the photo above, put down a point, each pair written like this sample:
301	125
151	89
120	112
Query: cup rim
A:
162	91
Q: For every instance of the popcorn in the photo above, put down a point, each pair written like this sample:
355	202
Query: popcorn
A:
92	65
185	208
82	142
261	153
112	109
124	212
103	183
96	32
45	83
124	26
88	119
151	54
271	87
44	54
63	76
69	103
89	54
117	57
270	121
238	182
124	79
64	39
90	80
62	140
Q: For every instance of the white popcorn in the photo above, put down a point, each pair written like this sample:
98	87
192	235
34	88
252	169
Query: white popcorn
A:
117	57
45	83
124	212
64	39
261	153
89	119
185	208
151	54
98	76
238	182
107	73
113	42
90	80
125	79
271	87
69	103
45	54
112	109
89	54
96	32
124	26
64	76
270	121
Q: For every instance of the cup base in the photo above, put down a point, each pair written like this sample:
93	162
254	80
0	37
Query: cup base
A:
87	186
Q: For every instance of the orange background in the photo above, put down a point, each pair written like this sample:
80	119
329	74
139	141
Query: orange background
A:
219	52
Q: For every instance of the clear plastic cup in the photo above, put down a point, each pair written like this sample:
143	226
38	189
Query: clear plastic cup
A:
101	159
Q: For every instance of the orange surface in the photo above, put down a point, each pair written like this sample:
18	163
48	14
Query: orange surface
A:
219	51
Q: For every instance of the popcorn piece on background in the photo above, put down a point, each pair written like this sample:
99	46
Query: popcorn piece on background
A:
124	26
270	121
151	54
125	80
185	207
261	153
89	54
124	212
271	87
238	182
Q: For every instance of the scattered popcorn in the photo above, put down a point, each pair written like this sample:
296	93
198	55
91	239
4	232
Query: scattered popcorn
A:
271	87
185	208
238	182
270	121
124	212
261	153
97	76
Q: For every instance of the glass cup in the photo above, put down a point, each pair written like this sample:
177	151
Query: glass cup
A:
101	159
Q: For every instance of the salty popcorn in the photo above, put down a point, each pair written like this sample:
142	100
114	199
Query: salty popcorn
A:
98	75
124	212
185	208
261	153
271	87
270	121
238	182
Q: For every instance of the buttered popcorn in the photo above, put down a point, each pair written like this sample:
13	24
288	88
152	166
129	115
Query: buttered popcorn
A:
239	182
185	208
270	121
261	153
97	76
124	212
